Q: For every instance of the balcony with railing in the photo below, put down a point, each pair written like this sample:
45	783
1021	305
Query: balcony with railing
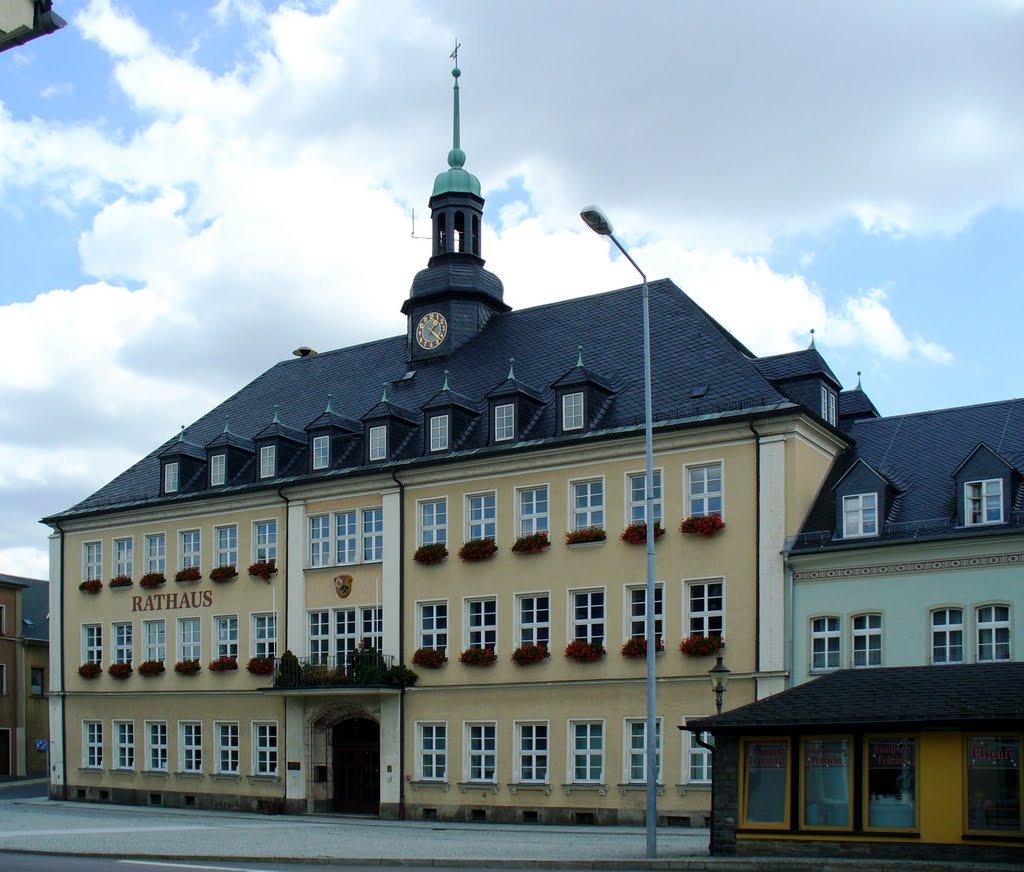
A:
360	669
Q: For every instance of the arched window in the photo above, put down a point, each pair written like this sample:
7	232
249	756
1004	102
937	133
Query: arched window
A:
440	233
475	248
460	231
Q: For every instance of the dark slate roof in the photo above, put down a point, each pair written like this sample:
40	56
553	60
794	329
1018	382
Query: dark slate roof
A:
794	365
919	454
688	348
35	606
855	404
968	695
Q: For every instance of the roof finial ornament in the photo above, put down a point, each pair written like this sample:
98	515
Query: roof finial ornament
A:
859	388
812	339
329	410
181	434
227	423
277	420
511	369
579	358
384	396
446	388
456	157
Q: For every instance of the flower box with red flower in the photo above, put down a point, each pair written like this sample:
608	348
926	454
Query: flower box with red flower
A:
636	534
151	668
152	579
120	581
429	658
525	655
189	575
119	670
702	525
261	665
431	554
90	670
478	657
584	652
221	574
263	569
700	646
637	647
187	667
585	536
478	549
91	585
223	664
535	543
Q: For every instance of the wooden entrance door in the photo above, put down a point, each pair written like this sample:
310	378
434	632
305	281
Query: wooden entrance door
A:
357	766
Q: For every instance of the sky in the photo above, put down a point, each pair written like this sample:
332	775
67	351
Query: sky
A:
191	190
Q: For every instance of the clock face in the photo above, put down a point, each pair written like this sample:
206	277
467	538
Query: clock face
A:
431	331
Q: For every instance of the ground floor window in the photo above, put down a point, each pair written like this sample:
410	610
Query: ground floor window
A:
891	783
826	783
588	751
766	782
265	749
993	784
433	748
483	753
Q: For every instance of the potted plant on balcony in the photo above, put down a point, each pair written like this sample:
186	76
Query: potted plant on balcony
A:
702	525
478	657
91	585
401	676
698	645
478	549
525	655
221	574
429	658
188	575
584	652
90	670
263	569
119	670
260	665
150	668
187	667
585	536
636	534
120	581
637	647
428	555
534	543
227	663
152	579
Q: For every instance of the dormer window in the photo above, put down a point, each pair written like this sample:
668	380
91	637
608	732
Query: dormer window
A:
218	470
860	515
268	461
983	502
378	443
171	478
572	411
504	422
321	452
439	433
828	405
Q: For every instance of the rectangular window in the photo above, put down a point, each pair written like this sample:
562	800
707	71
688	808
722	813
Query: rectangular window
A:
434	522
434	625
92	643
123	647
92	744
191	743
226	635
533	753
766	783
482	745
439	433
482	515
948	636
268	461
533	510
828	405
704	489
993	625
706	603
983	502
265	749
827	783
189	646
124	562
227	546
265	538
993	784
699	758
371	620
190	547
534	620
92	560
264	635
124	744
636	753
572	411
588	616
482	621
504	422
638	612
320	540
378	443
345	640
156	553
38	680
587	504
321	452
860	515
433	751
171	478
227	749
345	537
824	643
154	638
156	741
638	497
218	470
373	535
867	641
587	751
320	636
891	788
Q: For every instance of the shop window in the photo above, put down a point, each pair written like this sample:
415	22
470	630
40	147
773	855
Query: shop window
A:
766	783
891	784
993	784
826	783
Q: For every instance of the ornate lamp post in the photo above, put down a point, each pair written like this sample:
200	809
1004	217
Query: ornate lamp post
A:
719	675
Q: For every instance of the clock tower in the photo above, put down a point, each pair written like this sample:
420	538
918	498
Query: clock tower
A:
453	298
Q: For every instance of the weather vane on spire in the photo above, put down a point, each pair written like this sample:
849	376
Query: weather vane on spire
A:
455	54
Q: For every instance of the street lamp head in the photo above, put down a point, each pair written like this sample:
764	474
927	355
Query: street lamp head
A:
597	221
719	675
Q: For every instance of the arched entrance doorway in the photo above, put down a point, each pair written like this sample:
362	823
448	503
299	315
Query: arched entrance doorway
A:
355	755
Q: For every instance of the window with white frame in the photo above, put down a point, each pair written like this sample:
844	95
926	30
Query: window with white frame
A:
588	616
432	745
434	625
704	489
533	510
321	452
264	635
320	540
171	478
433	522
439	433
534	619
867	641
371	619
572	411
124	744
828	405
189	643
482	623
264	746
698	758
947	635
587	751
190	741
92	744
218	469
190	546
993	629
378	442
825	650
268	461
319	636
92	560
227	748
482	748
346	641
638	497
636	751
156	552
265	540
123	557
123	648
706	607
587	504
637	600
345	538
226	635
532	753
983	502
156	746
92	643
504	422
860	515
481	513
154	638
227	546
373	535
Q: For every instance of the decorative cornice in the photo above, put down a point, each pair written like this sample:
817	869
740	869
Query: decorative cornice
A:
910	566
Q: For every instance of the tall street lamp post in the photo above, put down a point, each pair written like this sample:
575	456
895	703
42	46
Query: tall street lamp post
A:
595	219
719	675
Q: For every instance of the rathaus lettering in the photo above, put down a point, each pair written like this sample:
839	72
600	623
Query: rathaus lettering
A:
193	599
